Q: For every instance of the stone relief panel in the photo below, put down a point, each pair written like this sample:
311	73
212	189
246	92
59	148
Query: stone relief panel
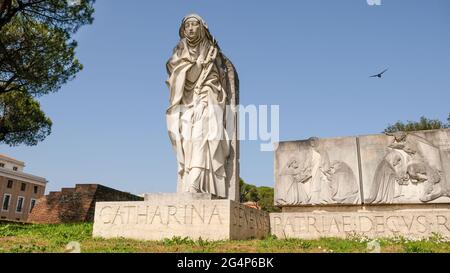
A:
317	172
405	167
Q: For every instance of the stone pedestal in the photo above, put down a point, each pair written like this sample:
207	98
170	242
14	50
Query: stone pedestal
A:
411	221
177	197
184	215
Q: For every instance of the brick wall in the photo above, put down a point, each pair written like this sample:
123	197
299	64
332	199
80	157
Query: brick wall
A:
72	205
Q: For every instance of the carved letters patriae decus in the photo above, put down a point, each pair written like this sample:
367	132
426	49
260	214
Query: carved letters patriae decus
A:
297	224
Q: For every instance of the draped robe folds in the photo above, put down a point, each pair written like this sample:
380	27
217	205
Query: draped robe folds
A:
202	146
385	183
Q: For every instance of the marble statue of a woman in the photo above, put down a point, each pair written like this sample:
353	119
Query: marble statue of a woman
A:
203	85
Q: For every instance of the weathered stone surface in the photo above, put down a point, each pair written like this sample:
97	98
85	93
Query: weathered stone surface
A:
206	219
202	117
414	221
317	171
177	197
406	167
402	168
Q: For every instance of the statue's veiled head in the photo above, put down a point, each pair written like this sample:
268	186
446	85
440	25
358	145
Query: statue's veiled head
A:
194	29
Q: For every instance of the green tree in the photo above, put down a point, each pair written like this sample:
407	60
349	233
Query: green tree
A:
22	119
67	15
261	195
37	55
423	124
247	192
266	196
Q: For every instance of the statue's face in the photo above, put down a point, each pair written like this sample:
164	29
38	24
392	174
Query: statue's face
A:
192	27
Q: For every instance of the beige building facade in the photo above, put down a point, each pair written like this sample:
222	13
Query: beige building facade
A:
19	191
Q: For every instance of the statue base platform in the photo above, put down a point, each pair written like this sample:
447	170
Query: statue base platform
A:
383	221
168	215
185	196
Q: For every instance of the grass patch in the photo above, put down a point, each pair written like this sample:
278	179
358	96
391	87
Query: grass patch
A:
15	238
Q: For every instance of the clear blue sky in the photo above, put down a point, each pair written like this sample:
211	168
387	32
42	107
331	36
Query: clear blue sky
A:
312	58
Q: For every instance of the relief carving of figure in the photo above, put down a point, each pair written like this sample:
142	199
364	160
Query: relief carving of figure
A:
316	180
390	173
406	165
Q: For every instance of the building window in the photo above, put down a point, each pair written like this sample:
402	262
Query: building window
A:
35	189
15	168
10	184
23	187
2	165
20	204
32	204
6	201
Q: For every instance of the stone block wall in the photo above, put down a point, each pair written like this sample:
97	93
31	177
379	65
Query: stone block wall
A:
72	205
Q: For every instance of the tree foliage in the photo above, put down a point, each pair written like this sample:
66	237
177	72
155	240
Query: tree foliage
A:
35	58
37	52
62	14
423	124
22	119
263	196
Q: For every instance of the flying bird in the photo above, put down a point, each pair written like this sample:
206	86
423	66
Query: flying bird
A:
379	74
